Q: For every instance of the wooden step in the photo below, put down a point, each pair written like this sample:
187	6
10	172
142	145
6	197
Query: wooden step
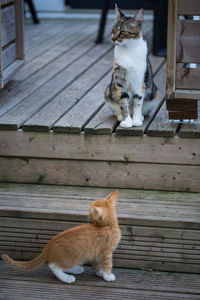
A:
129	284
160	230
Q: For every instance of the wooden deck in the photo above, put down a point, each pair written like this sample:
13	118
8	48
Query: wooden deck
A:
160	230
130	284
56	129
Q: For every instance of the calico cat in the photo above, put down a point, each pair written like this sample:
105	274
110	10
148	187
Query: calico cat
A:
132	80
93	242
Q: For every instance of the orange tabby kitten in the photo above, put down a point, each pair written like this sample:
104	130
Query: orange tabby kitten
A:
94	242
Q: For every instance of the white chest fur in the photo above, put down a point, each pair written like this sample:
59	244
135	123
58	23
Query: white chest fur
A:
132	56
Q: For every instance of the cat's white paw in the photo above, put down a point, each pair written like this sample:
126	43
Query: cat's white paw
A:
138	121
126	123
70	279
110	277
100	273
76	270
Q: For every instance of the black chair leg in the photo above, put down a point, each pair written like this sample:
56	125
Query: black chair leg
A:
102	23
33	11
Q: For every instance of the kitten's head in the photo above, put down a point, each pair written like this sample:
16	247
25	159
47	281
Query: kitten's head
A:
126	28
102	212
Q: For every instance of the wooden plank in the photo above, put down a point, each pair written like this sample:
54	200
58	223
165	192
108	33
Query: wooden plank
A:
188	8
71	206
16	116
93	173
191	130
51	32
76	35
160	80
187	78
64	101
8	32
171	49
19	16
161	126
181	104
183	115
10	71
188	40
161	281
104	122
187	94
105	147
84	110
32	83
24	289
163	258
8	55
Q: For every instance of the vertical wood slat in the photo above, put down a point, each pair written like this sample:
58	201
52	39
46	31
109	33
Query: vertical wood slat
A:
171	48
8	55
8	25
188	41
19	14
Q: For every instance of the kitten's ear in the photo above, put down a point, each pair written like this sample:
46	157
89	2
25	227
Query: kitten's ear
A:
139	17
118	12
113	197
96	211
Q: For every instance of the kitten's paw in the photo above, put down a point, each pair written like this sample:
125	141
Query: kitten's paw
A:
137	122
126	123
100	273
76	270
70	279
110	277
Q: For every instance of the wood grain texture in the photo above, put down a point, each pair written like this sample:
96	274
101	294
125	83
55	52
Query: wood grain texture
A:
141	285
188	40
171	48
8	55
19	16
187	78
20	113
161	126
187	94
188	8
159	230
67	98
192	129
93	173
84	110
181	104
183	115
73	36
8	23
104	147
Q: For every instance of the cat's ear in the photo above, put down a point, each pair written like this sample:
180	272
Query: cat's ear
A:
139	17
118	12
96	211
113	197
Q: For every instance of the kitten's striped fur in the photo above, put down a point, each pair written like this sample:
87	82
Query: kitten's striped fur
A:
132	78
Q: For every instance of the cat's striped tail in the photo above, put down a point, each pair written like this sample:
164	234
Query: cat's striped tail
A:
25	265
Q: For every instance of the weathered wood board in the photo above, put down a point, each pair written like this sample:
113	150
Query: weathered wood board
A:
159	230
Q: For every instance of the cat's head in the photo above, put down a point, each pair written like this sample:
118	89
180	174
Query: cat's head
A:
102	212
126	28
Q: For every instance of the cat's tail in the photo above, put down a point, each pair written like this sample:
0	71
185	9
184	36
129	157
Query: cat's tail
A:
25	265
